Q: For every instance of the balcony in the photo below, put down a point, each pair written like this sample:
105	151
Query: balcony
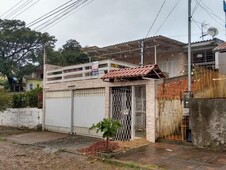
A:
84	71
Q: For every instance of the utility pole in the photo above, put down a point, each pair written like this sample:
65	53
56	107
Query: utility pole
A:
155	48
189	45
142	53
44	88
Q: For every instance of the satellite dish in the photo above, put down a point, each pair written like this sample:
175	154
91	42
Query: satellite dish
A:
212	31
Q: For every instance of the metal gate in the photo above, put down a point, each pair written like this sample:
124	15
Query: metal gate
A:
89	108
121	110
58	111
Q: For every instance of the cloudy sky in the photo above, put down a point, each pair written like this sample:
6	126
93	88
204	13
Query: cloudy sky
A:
107	22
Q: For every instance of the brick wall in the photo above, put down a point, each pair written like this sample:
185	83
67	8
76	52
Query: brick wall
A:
172	89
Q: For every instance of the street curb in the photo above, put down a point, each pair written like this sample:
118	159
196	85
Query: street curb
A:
131	164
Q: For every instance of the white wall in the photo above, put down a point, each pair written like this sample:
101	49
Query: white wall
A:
24	117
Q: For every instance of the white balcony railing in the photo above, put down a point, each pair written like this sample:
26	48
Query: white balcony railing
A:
84	71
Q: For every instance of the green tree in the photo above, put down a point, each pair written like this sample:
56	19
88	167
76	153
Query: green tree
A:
5	100
108	127
71	52
20	49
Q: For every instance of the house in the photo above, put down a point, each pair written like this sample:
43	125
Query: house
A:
169	54
166	52
117	86
75	98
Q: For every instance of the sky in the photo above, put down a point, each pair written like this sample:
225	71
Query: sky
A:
107	22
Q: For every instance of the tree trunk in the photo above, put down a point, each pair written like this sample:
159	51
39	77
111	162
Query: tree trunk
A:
107	145
11	84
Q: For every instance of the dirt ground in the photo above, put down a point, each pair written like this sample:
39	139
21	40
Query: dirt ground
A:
25	156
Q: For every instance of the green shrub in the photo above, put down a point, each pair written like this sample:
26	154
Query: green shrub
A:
27	99
5	100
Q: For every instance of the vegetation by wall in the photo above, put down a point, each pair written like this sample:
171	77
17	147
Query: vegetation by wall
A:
27	99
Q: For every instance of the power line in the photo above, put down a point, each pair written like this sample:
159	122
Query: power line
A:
167	16
196	7
59	15
156	18
11	8
26	9
65	16
18	8
212	11
210	14
51	13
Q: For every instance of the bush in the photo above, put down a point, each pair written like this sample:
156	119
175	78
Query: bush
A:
5	100
27	99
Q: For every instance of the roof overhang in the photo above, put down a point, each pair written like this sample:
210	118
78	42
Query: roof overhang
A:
135	73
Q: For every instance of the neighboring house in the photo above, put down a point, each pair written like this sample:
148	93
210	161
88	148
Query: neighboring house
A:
32	83
220	52
35	80
203	54
169	54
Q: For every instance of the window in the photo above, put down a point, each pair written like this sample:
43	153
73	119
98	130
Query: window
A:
31	86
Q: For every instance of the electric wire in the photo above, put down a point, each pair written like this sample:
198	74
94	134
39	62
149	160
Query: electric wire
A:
39	19
18	9
205	10
66	16
156	18
212	11
60	15
26	9
167	16
11	8
196	7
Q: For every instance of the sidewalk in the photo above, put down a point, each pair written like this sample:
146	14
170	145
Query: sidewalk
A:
176	157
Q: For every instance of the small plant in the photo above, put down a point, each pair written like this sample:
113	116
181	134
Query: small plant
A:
109	128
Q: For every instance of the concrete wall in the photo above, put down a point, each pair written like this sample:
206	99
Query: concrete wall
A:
25	117
208	123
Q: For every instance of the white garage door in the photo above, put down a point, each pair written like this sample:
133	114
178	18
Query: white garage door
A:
58	111
89	108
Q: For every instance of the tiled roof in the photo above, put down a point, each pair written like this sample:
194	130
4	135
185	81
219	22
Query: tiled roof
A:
221	47
150	71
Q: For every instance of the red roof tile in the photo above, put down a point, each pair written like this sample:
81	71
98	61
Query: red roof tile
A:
220	47
134	72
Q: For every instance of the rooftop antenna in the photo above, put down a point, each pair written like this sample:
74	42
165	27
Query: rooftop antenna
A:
203	25
212	31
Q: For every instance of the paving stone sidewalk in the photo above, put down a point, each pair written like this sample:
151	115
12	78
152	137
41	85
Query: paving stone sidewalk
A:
176	157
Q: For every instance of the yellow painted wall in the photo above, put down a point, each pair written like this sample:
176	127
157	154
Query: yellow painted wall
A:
35	84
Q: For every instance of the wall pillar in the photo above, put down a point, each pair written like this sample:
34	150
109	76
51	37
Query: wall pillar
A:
107	102
150	111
